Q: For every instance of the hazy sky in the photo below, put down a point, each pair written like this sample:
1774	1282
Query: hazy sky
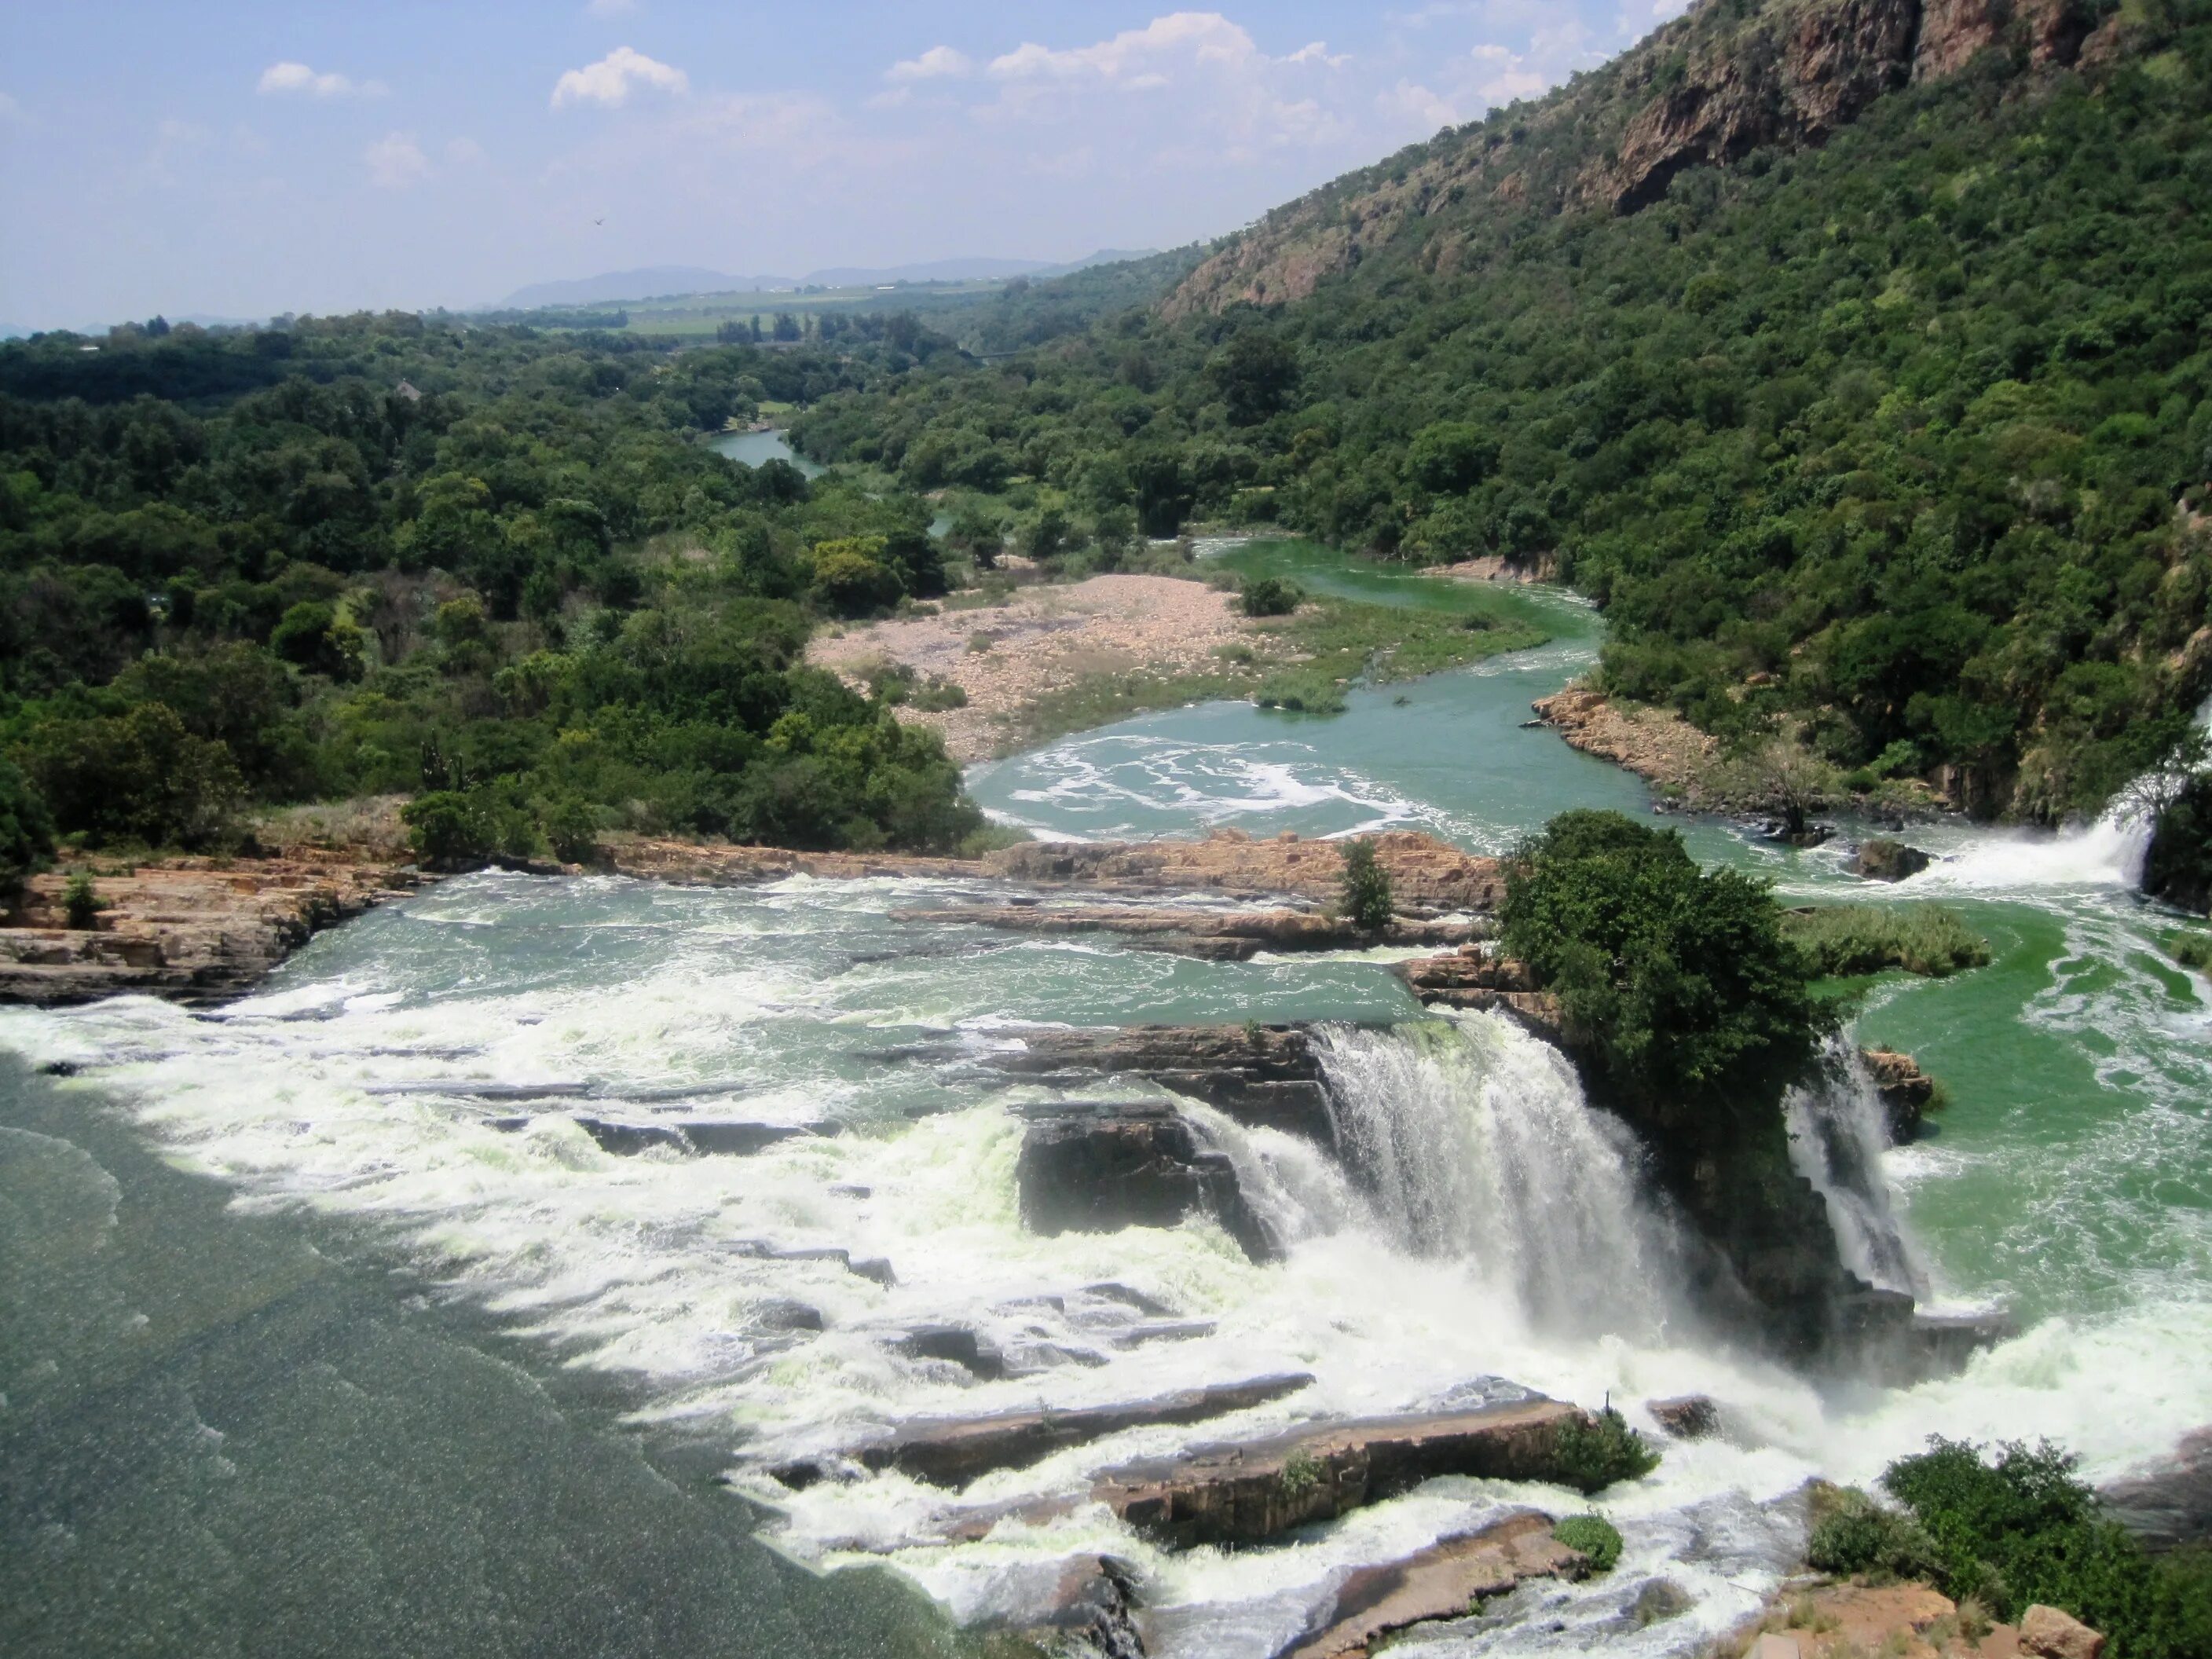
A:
244	158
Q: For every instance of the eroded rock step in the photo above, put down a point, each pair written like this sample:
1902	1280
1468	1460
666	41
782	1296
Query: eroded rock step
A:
1213	935
1100	1166
953	1452
1441	1582
726	1138
1255	1491
1263	1076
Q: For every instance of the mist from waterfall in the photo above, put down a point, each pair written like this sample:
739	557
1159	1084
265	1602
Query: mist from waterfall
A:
1838	1129
1469	1138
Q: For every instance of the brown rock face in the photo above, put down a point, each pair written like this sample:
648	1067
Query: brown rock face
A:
1256	1490
1656	744
1427	876
1905	1090
1441	1582
1096	1168
1265	1076
2170	1501
2052	1634
1468	979
197	930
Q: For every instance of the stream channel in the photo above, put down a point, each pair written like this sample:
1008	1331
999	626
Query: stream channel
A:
300	1353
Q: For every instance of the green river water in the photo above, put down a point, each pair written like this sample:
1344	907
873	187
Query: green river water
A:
302	1352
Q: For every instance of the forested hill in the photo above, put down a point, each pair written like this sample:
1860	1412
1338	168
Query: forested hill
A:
1852	355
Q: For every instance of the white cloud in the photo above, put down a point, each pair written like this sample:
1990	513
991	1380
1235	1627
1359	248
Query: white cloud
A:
611	80
289	78
1204	37
1316	52
396	161
1412	105
1505	75
937	63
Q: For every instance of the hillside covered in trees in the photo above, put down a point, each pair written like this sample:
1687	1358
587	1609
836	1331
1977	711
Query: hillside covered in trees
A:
495	569
1850	353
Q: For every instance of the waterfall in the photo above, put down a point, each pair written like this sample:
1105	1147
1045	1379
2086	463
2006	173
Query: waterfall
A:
1472	1138
1838	1130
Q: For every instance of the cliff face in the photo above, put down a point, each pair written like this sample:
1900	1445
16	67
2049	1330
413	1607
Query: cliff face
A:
1711	86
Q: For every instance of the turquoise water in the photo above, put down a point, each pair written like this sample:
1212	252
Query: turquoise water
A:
301	1351
753	448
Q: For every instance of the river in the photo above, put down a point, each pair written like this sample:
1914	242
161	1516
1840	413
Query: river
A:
300	1352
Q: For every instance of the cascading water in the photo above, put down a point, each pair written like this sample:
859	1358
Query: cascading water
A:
1838	1130
1472	1138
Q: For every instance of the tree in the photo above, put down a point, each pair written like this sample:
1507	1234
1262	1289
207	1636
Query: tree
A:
1451	457
27	831
141	776
1675	984
1256	372
1366	898
850	578
981	534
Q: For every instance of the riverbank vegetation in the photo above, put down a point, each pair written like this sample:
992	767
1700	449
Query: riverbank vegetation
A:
1926	492
2009	1530
371	554
1842	941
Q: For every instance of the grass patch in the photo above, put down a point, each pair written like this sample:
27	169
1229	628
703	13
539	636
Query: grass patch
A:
2190	949
1844	940
1595	1536
1301	692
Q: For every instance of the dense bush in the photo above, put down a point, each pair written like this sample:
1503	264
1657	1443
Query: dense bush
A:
2179	866
1592	1454
1595	1536
1675	984
1843	939
1270	596
2022	1527
27	831
1853	1535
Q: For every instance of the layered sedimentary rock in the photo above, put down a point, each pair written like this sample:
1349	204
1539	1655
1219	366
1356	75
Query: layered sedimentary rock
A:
1470	978
1099	1167
196	930
1234	935
1428	877
1249	1492
1655	744
1265	1076
1906	1091
1443	1581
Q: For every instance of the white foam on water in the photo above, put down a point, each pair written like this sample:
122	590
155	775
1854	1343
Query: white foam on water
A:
1494	1232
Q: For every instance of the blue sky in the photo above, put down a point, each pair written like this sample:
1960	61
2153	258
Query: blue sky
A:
246	158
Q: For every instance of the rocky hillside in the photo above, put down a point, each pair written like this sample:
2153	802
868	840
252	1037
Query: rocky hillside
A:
1728	78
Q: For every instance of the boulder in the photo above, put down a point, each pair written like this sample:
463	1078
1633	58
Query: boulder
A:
1099	1167
1441	1582
953	1451
1687	1417
1904	1089
1882	859
1255	1491
2052	1634
955	1344
2168	1502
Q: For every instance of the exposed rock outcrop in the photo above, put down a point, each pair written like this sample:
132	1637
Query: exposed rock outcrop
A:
953	1452
1687	1417
1427	876
1882	860
1906	1090
1250	1492
1098	1167
1655	744
1443	1581
1472	979
2052	1633
1213	935
194	929
1265	1076
2168	1502
1708	87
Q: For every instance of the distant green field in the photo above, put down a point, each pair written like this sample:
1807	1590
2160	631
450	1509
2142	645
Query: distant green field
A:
701	314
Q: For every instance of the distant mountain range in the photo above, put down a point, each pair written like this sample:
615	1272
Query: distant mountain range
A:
666	282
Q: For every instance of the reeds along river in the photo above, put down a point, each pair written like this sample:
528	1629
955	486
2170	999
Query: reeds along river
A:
302	1351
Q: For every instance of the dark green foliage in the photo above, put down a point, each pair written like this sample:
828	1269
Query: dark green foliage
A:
2190	949
1591	1456
572	830
1365	899
1857	1535
1675	984
27	831
272	578
80	902
1271	596
448	827
1595	1536
2022	1527
1897	428
1839	940
2178	867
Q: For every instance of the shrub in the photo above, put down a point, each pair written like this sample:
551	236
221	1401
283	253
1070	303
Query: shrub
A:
936	697
27	831
137	776
1843	939
2190	949
851	580
1300	694
446	827
1595	1536
1366	898
2022	1528
1271	596
81	902
1591	1454
1302	1473
1858	1535
572	830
